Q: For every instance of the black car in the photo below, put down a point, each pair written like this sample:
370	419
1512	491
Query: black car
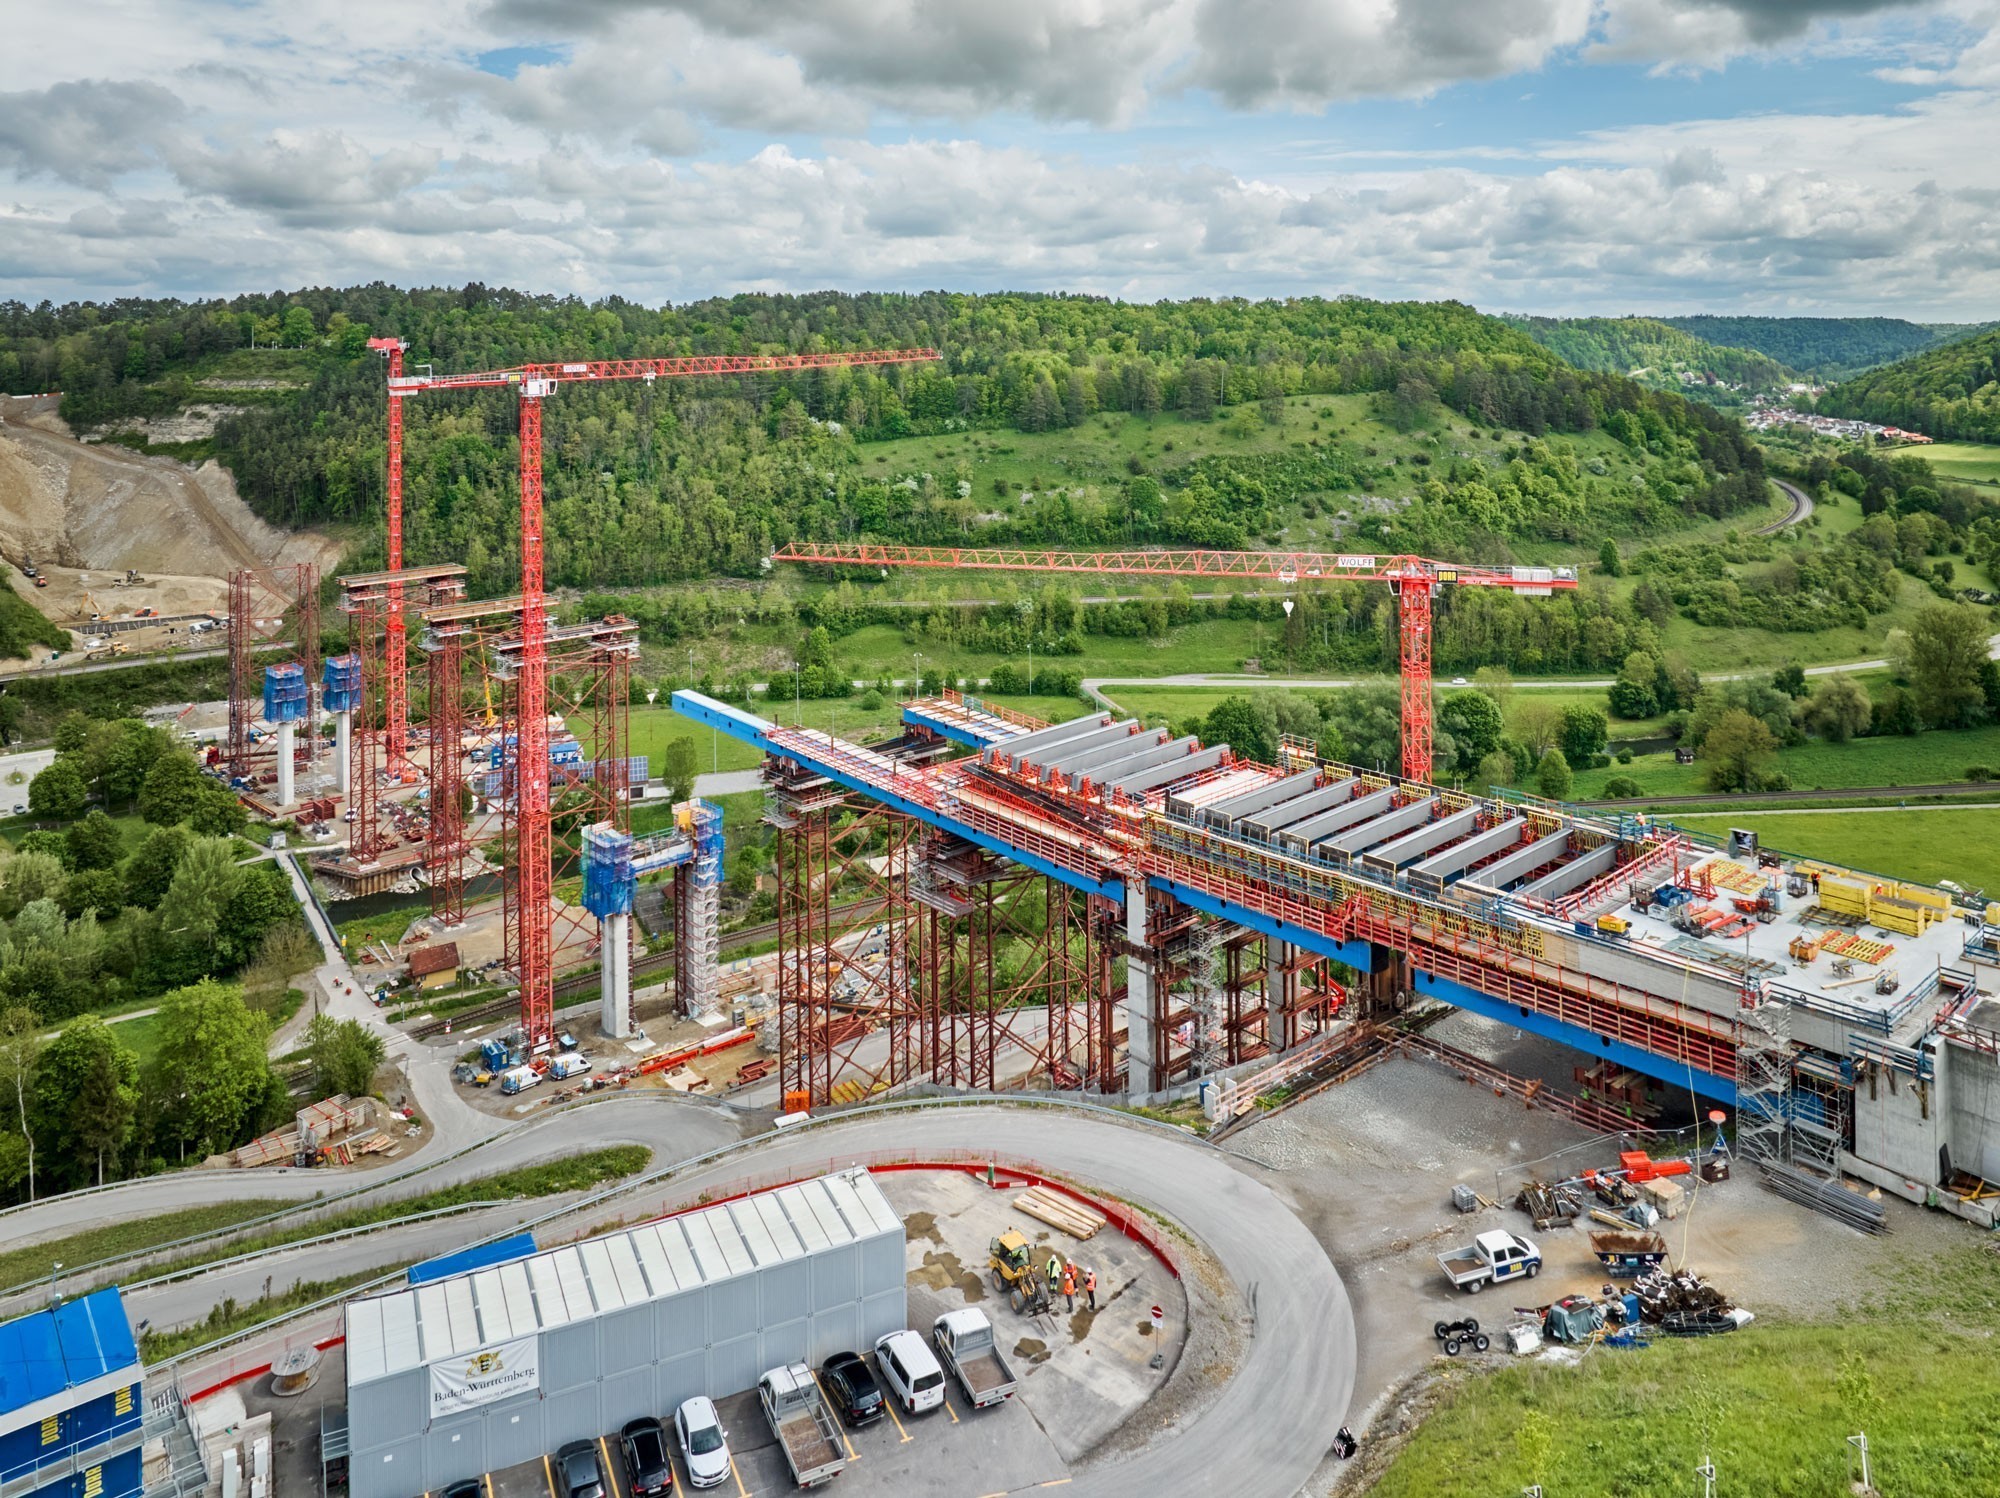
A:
648	1468
852	1389
579	1474
469	1488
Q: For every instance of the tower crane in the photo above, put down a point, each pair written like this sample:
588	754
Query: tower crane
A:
532	384
1414	581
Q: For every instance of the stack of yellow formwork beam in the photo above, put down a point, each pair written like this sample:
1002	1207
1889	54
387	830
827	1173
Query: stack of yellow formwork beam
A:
1910	908
1845	897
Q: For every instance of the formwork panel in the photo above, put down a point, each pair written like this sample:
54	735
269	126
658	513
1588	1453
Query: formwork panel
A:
1014	750
1052	754
627	1396
1573	875
1167	774
1377	830
1222	813
1441	866
1300	836
733	1365
569	1355
1289	813
786	1342
625	1339
1414	845
1505	871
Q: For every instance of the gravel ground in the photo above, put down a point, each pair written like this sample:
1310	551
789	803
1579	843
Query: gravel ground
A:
1369	1166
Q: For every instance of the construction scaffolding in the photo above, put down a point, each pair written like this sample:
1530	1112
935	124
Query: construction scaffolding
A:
698	915
846	1021
1764	1064
268	607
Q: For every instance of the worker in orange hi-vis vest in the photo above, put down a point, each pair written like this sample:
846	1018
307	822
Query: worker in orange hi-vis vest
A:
1069	1285
1090	1287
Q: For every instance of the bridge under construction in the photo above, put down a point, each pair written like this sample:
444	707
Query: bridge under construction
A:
1100	907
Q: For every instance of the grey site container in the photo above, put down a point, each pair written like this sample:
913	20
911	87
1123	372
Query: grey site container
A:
624	1325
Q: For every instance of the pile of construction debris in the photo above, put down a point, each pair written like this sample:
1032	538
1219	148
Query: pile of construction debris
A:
1665	1292
1551	1206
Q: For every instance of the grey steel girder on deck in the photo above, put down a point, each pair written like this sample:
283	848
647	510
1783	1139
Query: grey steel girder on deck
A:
1222	813
1504	871
1578	872
1055	756
1377	830
1013	750
1480	845
1073	765
1172	770
1275	819
1143	757
1302	835
1414	845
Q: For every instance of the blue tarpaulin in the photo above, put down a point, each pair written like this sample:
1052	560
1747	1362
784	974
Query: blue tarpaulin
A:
485	1256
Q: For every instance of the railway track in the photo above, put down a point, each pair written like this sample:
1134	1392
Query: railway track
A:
652	967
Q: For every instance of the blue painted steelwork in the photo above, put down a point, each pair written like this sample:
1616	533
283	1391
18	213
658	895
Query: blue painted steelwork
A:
1358	955
481	1256
285	693
1662	1068
340	689
752	729
944	728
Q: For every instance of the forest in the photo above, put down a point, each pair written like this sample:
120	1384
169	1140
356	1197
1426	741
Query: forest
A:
688	479
1950	393
1825	347
1623	345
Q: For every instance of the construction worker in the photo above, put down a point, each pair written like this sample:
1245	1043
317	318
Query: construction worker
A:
1090	1287
1055	1273
1069	1285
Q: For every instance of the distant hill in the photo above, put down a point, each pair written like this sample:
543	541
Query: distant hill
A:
1829	347
1948	392
1655	353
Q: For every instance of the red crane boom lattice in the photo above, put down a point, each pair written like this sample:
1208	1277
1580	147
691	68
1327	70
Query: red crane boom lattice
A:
1414	580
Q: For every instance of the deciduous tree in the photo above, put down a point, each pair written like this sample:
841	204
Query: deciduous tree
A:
1737	752
209	1078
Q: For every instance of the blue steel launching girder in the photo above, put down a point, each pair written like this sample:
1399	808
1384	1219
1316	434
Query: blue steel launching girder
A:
1661	1068
752	729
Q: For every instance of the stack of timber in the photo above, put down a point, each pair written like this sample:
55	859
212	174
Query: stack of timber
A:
1059	1211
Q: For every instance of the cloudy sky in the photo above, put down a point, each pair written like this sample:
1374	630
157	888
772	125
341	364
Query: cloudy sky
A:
1558	156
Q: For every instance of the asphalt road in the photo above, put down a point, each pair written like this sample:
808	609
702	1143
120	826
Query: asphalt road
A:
1802	506
1266	1432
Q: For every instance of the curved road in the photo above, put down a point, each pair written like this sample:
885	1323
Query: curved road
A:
1267	1430
1802	506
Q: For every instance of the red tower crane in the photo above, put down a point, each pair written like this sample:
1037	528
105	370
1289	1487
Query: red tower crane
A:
1414	581
533	383
396	702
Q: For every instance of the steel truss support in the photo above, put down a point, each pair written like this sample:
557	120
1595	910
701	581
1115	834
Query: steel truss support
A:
532	884
1413	633
448	843
846	1025
1011	974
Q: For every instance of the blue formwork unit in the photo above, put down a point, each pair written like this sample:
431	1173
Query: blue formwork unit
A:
607	870
71	1401
340	684
285	693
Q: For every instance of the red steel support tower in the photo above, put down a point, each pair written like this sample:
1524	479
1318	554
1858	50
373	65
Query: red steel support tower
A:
1412	579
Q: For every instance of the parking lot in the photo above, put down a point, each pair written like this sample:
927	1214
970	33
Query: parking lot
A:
1081	1374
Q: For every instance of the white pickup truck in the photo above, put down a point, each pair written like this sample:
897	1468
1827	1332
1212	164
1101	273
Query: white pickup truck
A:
1492	1256
802	1423
965	1345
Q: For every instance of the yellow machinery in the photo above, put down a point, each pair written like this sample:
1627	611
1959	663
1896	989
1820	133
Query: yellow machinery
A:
1011	1265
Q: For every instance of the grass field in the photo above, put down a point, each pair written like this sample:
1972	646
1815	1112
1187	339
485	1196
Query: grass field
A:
1925	844
1967	462
1924	759
1177	704
1913	1367
21	1265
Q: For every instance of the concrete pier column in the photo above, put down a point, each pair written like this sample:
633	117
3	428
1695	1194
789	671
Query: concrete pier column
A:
1141	1020
285	788
615	984
343	748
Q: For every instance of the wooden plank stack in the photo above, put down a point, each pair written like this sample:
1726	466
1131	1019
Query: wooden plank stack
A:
1059	1211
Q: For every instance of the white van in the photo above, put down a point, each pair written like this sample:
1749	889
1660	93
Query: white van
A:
911	1371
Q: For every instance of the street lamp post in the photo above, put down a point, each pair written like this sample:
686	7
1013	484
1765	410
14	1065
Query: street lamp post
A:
1031	668
918	689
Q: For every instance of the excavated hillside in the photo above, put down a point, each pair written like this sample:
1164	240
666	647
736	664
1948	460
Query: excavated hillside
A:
87	508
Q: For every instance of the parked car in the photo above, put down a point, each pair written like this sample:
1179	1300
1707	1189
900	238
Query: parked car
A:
911	1371
466	1488
798	1417
578	1471
852	1389
964	1340
704	1443
648	1468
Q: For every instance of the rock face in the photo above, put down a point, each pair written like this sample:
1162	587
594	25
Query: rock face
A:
92	505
